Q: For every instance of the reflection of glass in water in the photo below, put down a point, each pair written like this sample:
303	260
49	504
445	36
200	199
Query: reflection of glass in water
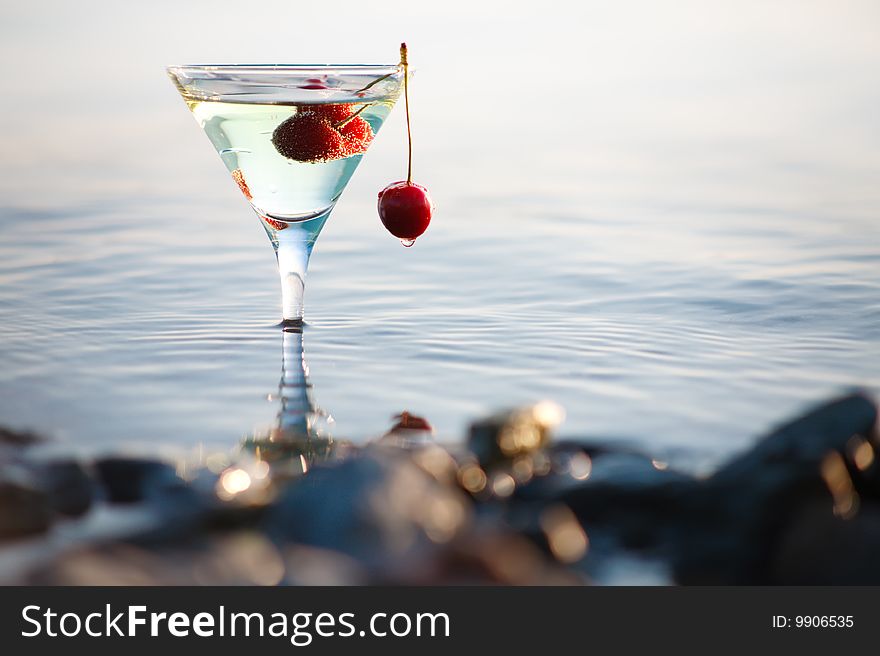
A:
302	430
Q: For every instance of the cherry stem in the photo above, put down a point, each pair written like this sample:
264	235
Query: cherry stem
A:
350	118
405	64
376	81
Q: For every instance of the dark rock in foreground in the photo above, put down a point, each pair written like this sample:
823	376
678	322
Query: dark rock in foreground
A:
800	507
809	476
18	438
69	486
24	507
130	480
377	508
805	472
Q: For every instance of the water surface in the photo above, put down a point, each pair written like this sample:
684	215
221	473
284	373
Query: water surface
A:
678	244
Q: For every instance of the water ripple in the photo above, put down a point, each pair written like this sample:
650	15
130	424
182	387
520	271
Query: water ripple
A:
687	335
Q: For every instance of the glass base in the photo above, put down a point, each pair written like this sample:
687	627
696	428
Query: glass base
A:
291	325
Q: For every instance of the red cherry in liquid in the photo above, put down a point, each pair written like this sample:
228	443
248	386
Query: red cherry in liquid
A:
358	134
314	83
405	209
238	176
335	113
308	137
275	223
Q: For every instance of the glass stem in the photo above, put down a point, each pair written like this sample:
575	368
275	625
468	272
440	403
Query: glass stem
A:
293	262
293	243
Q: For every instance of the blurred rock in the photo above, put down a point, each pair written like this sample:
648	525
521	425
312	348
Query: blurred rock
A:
731	531
512	433
306	565
111	564
818	547
69	487
380	508
800	507
24	507
624	500
19	438
408	430
491	556
587	466
130	480
809	475
240	558
408	421
802	443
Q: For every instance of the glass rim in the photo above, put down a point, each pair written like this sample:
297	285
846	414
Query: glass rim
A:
281	68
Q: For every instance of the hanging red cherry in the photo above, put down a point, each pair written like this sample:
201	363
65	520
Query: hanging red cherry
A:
406	207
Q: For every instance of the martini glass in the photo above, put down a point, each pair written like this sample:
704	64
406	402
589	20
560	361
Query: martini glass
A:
291	136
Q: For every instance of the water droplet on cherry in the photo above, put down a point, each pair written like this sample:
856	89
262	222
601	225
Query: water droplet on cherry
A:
407	242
